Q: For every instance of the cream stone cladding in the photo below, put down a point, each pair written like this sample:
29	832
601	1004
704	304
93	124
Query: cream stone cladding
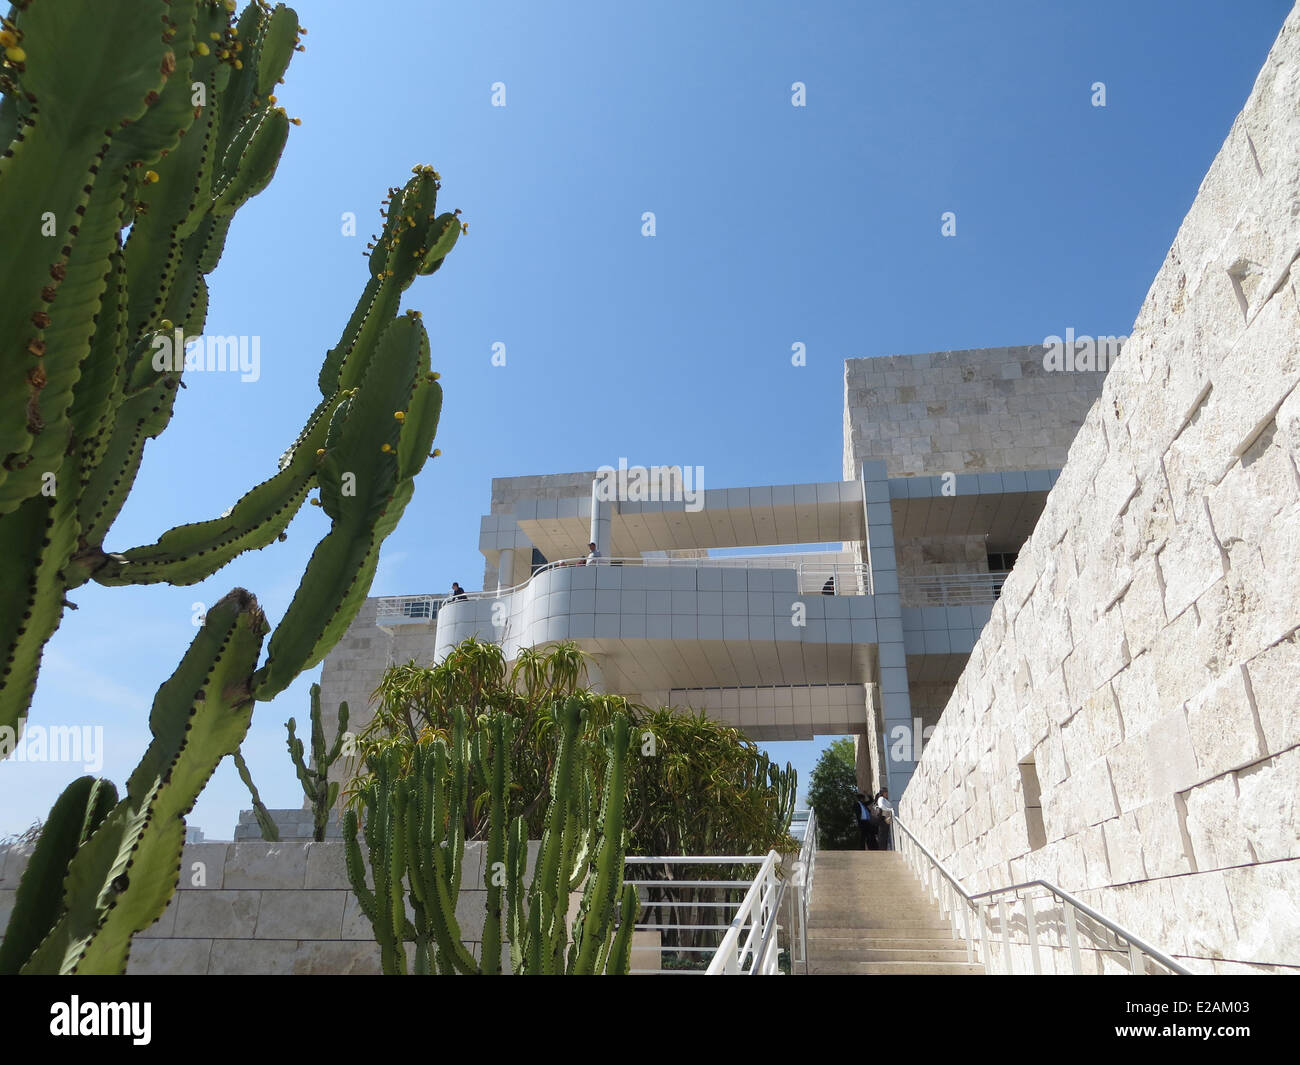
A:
1142	662
983	410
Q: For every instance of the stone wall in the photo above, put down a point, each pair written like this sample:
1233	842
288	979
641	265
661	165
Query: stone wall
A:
1141	666
962	411
245	909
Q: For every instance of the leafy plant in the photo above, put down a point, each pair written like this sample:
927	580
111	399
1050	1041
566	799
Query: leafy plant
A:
832	789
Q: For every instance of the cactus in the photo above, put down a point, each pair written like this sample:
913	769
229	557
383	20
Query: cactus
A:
414	831
316	784
118	867
159	115
265	821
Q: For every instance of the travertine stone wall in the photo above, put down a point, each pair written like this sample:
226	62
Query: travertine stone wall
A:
353	669
1142	662
245	909
962	411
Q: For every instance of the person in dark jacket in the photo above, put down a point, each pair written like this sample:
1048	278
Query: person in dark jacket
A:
866	830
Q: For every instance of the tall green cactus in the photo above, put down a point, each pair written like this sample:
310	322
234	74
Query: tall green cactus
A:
414	830
158	115
315	776
118	867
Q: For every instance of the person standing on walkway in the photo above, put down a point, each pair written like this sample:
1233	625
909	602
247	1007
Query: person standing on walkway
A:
883	840
592	555
866	830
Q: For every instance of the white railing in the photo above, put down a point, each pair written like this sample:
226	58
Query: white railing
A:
689	917
951	589
813	578
750	945
406	609
973	916
802	882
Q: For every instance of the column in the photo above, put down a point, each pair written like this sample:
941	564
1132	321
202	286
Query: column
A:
506	568
602	515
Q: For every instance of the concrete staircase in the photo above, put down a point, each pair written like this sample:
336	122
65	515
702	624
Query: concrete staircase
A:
870	916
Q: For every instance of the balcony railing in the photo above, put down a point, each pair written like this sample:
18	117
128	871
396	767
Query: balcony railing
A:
812	578
952	589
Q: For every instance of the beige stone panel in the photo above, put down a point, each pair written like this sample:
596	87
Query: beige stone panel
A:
1171	757
301	915
169	957
1190	562
1124	849
253	957
1130	773
1214	824
1268	808
336	959
217	914
267	865
1205	909
1265	906
1164	852
203	866
1221	724
1273	681
327	865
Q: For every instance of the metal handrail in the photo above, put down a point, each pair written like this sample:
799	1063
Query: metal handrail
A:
956	893
953	589
859	572
756	913
804	867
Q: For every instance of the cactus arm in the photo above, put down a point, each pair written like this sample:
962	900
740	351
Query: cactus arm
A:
89	67
516	867
265	821
341	568
35	543
495	772
619	959
600	899
339	736
356	867
74	817
113	888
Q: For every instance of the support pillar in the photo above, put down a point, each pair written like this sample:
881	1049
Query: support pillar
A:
506	568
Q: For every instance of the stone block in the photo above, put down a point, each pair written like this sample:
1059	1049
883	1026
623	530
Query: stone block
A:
1214	824
1206	914
252	957
203	866
169	957
327	866
1164	848
1273	676
1124	849
301	914
1268	808
1264	903
217	914
1222	727
277	866
1171	756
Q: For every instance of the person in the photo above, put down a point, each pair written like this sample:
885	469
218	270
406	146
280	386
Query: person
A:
886	819
592	555
866	837
457	593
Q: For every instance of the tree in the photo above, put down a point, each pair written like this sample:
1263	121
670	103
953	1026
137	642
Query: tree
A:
831	794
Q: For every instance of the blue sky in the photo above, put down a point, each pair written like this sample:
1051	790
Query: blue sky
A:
774	225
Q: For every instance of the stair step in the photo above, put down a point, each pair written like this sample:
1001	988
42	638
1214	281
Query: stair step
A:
857	952
863	921
894	968
882	939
